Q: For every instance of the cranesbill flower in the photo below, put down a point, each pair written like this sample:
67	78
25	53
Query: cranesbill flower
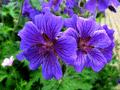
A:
55	4
101	5
71	3
28	10
41	44
94	43
69	11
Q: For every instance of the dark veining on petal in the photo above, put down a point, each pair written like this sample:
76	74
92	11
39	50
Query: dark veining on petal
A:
45	37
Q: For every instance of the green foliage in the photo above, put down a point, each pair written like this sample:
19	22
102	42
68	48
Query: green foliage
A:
19	77
36	4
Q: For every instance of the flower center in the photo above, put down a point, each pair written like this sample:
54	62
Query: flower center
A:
48	43
83	45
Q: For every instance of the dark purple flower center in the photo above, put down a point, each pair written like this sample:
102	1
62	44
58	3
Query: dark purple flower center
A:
48	44
83	45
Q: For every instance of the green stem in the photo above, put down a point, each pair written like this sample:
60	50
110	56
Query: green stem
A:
19	17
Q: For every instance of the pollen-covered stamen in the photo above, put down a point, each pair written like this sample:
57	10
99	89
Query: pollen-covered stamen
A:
83	45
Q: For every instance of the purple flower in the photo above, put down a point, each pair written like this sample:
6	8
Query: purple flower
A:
28	10
69	11
94	42
42	45
101	5
55	4
70	3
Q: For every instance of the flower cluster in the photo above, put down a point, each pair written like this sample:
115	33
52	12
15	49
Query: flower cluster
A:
101	5
83	44
28	10
56	4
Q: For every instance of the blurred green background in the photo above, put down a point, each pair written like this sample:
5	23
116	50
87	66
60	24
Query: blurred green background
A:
19	77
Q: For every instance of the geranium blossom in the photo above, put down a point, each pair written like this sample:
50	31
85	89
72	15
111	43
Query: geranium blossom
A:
42	46
101	5
55	4
94	42
28	10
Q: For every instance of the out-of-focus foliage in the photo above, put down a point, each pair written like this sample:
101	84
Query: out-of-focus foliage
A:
19	77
